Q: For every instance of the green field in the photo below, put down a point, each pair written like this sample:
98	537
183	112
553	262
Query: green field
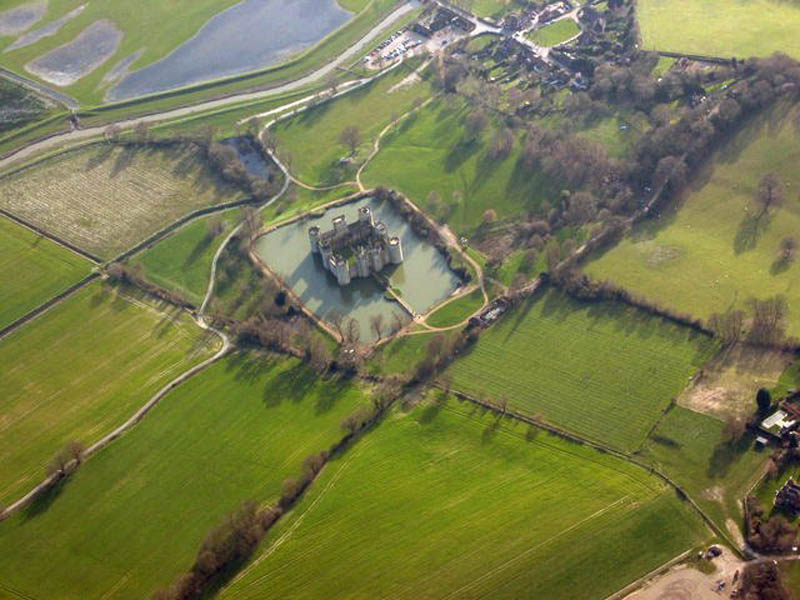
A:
445	502
721	28
105	198
493	8
182	262
708	256
298	200
691	448
457	311
312	138
555	33
80	370
601	370
430	152
133	517
33	270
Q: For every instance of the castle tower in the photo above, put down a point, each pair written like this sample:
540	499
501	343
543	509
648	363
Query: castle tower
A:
365	214
326	253
313	238
380	229
377	259
395	251
341	270
340	224
362	262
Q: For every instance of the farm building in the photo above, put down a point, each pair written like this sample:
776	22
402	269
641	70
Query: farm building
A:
788	496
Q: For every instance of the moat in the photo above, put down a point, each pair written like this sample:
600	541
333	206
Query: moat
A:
423	277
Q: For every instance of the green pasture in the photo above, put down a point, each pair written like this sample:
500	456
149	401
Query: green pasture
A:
493	8
33	270
311	138
601	370
446	502
712	254
555	33
133	517
720	27
182	262
457	311
430	152
298	200
693	450
80	370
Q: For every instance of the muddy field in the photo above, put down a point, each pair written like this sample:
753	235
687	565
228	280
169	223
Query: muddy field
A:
74	60
17	20
106	199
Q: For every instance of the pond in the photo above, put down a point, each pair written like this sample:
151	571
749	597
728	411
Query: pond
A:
254	162
424	279
251	35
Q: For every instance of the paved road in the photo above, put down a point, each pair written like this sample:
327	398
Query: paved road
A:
80	135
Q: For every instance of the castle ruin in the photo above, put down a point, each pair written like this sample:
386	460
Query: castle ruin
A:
357	249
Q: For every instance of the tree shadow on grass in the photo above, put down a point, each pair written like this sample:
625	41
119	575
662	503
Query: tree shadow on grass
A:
292	384
44	500
100	157
200	247
726	453
124	160
751	229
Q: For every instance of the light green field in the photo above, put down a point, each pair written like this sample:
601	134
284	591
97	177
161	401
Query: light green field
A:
105	199
182	262
312	138
80	370
690	447
457	311
555	33
708	257
448	503
601	370
133	517
298	200
721	28
493	8
33	269
429	152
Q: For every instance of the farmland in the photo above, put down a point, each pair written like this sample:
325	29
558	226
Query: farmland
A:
182	262
312	139
134	516
105	199
430	152
472	504
80	370
712	254
601	370
720	28
33	270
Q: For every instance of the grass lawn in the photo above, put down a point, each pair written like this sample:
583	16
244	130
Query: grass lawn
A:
33	270
312	137
80	370
709	255
182	262
457	310
444	502
602	370
298	200
105	199
133	517
494	8
430	152
691	449
721	28
555	33
401	355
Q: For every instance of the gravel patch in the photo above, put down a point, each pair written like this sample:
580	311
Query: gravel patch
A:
17	20
76	59
45	31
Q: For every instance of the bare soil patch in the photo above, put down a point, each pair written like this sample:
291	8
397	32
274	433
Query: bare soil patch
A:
727	385
18	19
74	60
107	198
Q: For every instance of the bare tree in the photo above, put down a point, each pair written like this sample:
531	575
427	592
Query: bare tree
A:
351	137
475	123
75	450
787	250
353	332
770	194
376	322
112	133
142	132
769	320
319	355
727	326
253	126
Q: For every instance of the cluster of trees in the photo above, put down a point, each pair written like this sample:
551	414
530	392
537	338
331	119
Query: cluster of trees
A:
762	581
768	534
441	351
121	273
765	326
66	460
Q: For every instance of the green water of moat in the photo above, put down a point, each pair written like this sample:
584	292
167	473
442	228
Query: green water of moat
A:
424	279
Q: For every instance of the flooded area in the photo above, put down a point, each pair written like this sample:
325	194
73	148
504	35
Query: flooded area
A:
74	60
44	31
16	20
424	279
251	35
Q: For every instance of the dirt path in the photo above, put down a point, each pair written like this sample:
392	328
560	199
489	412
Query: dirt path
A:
62	140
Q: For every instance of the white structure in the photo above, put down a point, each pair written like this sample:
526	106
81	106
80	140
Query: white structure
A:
358	249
